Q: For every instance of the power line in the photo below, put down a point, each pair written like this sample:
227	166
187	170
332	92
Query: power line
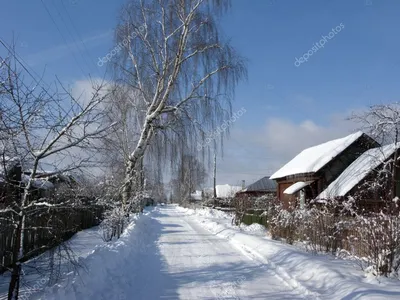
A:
82	43
64	39
20	61
76	30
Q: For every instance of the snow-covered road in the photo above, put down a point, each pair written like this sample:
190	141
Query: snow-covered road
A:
201	265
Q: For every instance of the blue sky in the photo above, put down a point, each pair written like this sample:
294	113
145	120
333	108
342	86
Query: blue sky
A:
287	107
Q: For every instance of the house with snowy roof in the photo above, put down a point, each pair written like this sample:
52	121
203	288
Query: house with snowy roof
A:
196	196
315	168
262	187
224	191
13	177
10	177
366	178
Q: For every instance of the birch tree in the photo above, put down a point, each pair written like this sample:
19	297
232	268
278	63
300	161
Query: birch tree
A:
173	57
40	127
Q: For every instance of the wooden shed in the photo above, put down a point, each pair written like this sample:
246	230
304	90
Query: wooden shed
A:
262	187
368	179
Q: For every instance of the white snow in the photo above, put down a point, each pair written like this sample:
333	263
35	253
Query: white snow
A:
39	183
314	158
196	195
226	190
296	187
171	252
357	171
223	190
7	163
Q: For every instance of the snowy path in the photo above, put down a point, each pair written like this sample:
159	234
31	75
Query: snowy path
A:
204	266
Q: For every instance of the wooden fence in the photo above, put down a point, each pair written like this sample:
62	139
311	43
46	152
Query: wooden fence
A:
46	230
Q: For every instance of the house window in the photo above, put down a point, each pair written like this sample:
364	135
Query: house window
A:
302	198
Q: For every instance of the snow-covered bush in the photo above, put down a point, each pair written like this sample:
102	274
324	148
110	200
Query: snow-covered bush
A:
241	205
372	239
375	242
319	228
113	223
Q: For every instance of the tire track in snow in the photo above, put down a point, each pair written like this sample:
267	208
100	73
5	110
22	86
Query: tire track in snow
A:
278	271
225	290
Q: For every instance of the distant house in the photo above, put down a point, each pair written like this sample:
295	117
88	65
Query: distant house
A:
224	191
45	184
263	187
10	177
196	196
227	191
315	168
361	178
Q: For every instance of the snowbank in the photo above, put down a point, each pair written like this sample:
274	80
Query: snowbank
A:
100	266
205	212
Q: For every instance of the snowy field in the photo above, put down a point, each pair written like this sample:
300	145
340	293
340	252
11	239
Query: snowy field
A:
171	252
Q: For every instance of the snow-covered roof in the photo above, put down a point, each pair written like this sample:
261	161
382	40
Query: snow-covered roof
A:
223	190
264	184
38	183
294	188
358	170
196	195
313	159
226	190
7	163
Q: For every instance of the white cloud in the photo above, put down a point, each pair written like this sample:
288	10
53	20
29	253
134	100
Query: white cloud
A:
82	91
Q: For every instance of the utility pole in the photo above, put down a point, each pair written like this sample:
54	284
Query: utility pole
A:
215	177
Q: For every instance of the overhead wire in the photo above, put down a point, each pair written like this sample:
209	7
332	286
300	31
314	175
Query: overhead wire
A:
64	39
82	42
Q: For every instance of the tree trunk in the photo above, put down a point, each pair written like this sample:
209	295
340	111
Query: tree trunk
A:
127	187
137	154
13	288
394	175
215	179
